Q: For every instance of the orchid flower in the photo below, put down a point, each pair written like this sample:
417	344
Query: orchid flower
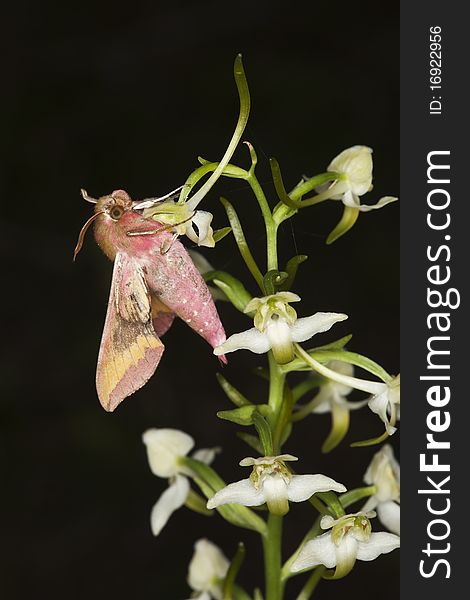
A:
184	219
354	166
332	398
165	448
350	539
385	396
207	570
384	473
272	483
386	404
277	327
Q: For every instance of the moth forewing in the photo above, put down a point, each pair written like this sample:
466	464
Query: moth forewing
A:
130	349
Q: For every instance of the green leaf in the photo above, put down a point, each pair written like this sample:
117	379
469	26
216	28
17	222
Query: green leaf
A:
353	496
336	345
219	234
231	286
371	441
333	503
232	572
264	432
237	515
231	392
306	386
230	170
272	280
347	221
279	186
283	425
209	482
244	415
252	441
196	503
291	269
242	244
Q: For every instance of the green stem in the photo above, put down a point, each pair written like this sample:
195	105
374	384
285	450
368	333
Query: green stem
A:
244	95
311	584
276	393
271	226
272	558
309	186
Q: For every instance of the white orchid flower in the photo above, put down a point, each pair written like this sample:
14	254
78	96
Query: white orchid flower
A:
165	448
386	404
272	483
184	219
384	473
355	168
332	398
277	327
350	539
207	570
385	397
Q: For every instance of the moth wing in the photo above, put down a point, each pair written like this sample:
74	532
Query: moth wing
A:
162	316
130	349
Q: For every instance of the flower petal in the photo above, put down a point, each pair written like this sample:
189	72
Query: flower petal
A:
379	404
389	516
378	543
202	219
319	551
351	200
305	328
346	555
275	491
252	339
207	564
339	426
240	492
323	400
278	333
382	202
356	164
206	455
164	447
172	498
302	487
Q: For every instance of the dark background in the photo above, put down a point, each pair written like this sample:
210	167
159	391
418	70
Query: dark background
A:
104	97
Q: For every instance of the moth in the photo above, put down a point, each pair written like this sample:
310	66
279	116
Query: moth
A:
154	280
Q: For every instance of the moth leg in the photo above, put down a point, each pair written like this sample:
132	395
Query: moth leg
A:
166	246
159	229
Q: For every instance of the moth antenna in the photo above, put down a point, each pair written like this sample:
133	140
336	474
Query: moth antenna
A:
83	230
88	198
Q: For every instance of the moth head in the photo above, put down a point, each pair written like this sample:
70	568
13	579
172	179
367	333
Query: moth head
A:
115	205
109	209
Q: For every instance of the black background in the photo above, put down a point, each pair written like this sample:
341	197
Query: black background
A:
103	96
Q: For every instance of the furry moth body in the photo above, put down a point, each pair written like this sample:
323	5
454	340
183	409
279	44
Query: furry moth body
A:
154	280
